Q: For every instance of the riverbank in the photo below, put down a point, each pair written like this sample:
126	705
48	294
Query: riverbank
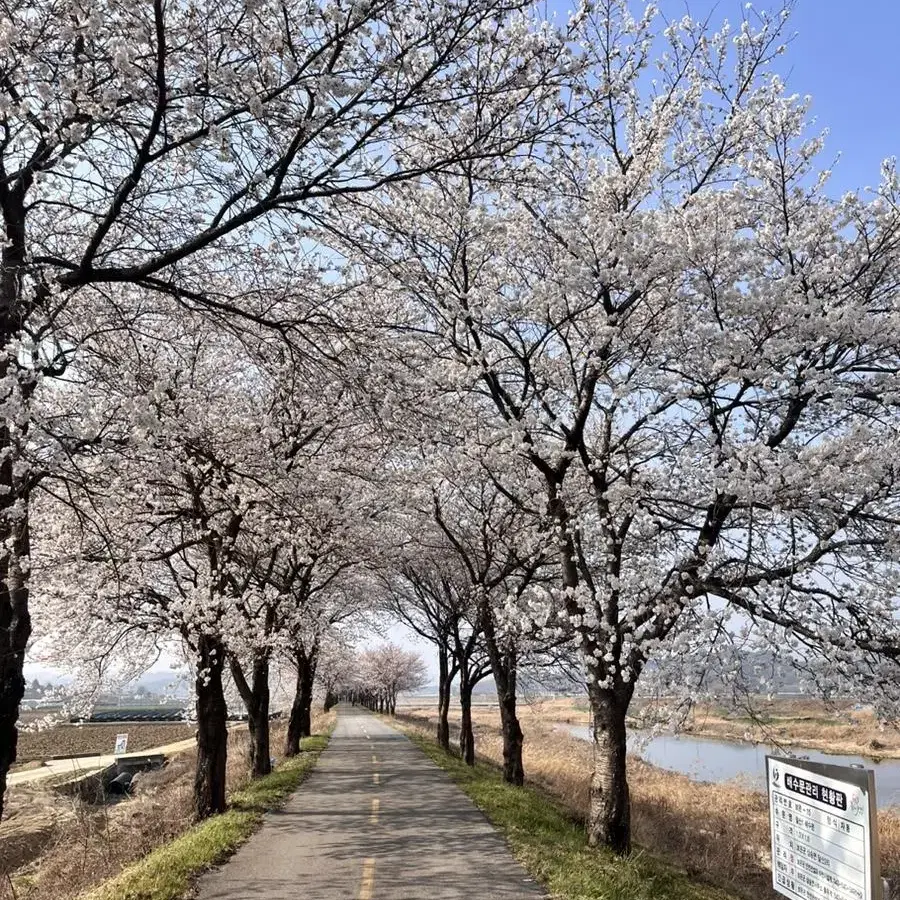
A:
711	759
841	728
714	832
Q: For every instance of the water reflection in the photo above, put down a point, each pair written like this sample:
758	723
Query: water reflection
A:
707	760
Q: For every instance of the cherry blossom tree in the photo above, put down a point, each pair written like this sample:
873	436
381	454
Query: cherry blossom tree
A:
436	601
694	349
502	558
187	509
335	664
387	671
304	560
328	598
164	512
148	144
471	555
426	602
467	553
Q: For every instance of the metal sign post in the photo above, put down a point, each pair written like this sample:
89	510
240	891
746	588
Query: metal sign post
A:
824	831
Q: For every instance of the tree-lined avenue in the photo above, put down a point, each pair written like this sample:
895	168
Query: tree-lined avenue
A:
409	833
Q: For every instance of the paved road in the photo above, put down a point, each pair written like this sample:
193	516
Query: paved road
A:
377	820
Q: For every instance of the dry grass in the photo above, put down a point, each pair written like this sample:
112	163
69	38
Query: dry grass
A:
553	848
836	727
170	871
55	848
715	832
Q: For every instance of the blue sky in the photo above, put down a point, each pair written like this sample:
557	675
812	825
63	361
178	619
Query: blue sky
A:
847	56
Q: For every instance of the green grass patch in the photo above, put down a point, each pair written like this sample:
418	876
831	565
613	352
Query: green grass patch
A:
553	848
167	872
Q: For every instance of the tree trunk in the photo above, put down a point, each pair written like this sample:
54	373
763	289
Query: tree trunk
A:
503	668
444	683
609	817
300	723
256	698
15	496
212	729
466	733
15	627
260	747
513	769
609	814
260	744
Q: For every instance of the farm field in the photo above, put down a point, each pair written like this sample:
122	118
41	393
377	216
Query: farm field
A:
78	740
54	846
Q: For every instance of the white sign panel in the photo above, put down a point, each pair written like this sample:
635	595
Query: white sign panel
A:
121	744
824	835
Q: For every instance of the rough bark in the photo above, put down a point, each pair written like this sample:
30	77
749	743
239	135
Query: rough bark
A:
444	684
466	733
260	741
256	697
513	769
212	729
609	817
300	723
15	618
15	630
609	813
503	668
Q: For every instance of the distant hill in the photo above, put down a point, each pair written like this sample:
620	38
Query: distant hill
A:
175	684
759	673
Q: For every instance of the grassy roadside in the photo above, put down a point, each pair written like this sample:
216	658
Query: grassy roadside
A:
554	849
167	872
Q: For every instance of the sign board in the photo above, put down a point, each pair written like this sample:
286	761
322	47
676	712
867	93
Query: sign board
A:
824	831
121	744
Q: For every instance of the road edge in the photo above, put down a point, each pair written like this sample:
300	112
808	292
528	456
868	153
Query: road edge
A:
170	871
551	846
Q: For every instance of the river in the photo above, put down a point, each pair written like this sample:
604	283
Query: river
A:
704	759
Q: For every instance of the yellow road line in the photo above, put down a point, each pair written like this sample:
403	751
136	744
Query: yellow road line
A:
373	818
367	888
374	778
374	758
